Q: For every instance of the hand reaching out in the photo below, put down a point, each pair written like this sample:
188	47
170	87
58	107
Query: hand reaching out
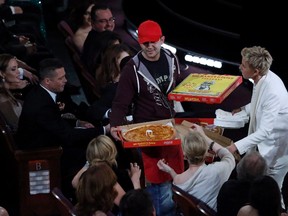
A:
84	124
162	165
32	77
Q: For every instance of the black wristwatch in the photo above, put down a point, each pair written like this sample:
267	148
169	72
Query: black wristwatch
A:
211	146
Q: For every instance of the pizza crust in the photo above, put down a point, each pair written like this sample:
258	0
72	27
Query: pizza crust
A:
150	132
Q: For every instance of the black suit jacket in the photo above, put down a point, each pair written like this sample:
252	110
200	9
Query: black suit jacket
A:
90	51
97	110
232	196
41	125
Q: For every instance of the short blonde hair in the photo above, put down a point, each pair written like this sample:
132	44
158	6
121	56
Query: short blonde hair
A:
101	148
195	147
257	58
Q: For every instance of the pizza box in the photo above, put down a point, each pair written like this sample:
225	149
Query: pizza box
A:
214	132
205	88
150	143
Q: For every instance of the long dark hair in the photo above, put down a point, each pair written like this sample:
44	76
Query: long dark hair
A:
4	62
109	69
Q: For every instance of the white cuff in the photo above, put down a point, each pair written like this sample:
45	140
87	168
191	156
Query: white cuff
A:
12	9
106	113
21	70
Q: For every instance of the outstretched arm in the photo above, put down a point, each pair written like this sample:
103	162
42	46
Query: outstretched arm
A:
162	165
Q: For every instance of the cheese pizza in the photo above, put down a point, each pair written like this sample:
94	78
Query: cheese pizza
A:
150	132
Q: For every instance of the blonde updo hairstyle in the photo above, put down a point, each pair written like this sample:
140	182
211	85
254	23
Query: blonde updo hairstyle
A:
101	148
194	147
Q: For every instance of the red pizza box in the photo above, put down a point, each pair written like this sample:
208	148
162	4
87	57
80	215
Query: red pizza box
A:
126	144
205	88
200	121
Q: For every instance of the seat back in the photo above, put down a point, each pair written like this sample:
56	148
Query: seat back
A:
31	175
71	46
9	196
189	205
64	205
87	81
65	29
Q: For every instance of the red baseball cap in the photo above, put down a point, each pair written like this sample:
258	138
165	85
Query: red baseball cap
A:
149	31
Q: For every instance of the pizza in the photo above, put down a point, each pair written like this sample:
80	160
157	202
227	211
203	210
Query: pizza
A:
150	132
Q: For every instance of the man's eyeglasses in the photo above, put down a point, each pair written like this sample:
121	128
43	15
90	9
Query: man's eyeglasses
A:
106	21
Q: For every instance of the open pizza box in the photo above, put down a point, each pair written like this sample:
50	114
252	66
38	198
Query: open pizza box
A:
150	143
215	133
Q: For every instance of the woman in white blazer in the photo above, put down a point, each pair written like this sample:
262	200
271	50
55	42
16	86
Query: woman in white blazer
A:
268	111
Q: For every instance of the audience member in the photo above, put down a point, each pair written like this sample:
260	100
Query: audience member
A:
146	81
41	124
234	192
107	77
3	211
102	148
80	18
24	18
41	118
92	56
109	69
268	111
10	74
102	19
264	199
96	190
137	203
201	180
24	48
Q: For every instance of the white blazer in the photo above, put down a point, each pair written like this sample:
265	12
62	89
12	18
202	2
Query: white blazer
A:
271	121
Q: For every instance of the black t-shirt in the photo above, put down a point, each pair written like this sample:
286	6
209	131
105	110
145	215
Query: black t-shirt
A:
159	70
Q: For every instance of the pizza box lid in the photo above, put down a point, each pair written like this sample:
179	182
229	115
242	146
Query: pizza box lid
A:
205	88
214	132
150	143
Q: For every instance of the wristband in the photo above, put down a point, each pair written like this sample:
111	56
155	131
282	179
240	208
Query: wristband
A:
211	146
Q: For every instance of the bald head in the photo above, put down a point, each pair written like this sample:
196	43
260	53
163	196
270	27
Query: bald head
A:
252	165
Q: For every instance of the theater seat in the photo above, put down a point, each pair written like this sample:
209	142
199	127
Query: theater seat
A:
189	205
87	81
64	205
30	176
65	29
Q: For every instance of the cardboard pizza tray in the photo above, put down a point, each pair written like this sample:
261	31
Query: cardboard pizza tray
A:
178	124
205	88
151	143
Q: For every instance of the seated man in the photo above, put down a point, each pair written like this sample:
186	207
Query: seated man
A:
234	193
41	124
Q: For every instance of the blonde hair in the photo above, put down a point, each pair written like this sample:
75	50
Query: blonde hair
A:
101	148
257	58
195	147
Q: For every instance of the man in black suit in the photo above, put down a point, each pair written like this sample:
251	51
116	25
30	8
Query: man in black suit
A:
102	20
41	124
234	193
